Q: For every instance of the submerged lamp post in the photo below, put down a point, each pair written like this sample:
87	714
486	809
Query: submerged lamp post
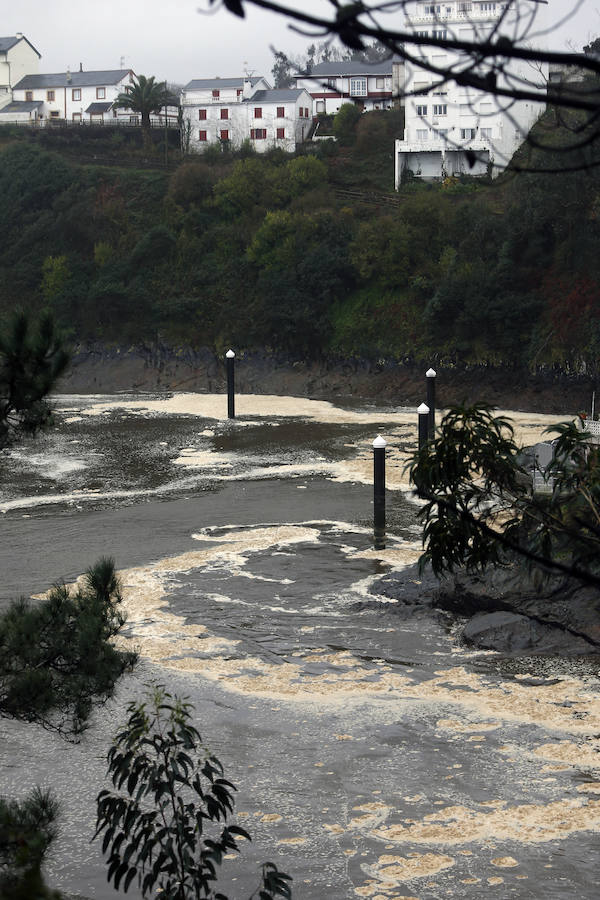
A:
430	376
230	357
379	446
423	412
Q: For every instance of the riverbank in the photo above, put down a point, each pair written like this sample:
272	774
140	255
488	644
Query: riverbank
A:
102	369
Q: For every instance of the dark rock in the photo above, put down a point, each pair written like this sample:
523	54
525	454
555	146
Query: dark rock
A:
514	633
508	611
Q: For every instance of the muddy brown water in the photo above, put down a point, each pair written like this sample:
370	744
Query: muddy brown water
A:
374	756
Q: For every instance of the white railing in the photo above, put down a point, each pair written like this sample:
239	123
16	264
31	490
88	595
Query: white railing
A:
593	429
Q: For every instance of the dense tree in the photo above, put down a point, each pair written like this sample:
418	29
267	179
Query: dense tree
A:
144	96
57	657
32	359
162	825
480	509
27	829
345	122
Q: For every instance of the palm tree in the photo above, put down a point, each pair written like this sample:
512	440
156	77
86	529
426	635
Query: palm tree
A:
145	96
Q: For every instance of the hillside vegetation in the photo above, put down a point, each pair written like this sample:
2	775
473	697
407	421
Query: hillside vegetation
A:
311	255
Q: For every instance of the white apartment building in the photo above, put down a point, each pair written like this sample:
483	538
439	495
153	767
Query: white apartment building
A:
238	109
17	58
368	85
72	96
444	120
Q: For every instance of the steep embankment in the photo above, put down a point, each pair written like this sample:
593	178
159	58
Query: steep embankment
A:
150	367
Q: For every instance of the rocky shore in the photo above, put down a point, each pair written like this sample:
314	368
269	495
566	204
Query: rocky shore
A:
504	609
102	369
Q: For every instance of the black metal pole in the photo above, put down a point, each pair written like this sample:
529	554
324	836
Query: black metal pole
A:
430	376
423	412
230	357
379	445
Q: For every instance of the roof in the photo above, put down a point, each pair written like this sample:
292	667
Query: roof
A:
280	94
94	109
7	43
211	84
72	79
21	106
328	69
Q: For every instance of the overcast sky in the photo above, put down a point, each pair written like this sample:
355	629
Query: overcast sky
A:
172	40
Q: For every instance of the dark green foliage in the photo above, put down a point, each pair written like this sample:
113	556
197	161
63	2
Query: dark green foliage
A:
504	274
32	358
57	656
191	184
345	122
27	829
480	509
164	824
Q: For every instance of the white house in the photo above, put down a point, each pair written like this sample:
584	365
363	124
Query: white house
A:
240	109
74	96
17	58
445	124
368	85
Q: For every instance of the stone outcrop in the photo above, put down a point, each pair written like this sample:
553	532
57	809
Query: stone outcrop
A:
504	609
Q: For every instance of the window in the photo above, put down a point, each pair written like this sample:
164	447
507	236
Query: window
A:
422	134
134	120
442	133
224	134
440	109
216	95
432	10
201	135
306	111
258	112
54	114
239	92
486	133
380	83
358	87
77	117
281	133
280	112
50	96
258	134
100	93
467	134
202	114
421	110
224	113
421	33
29	96
439	33
76	94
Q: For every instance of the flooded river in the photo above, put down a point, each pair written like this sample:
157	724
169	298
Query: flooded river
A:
375	756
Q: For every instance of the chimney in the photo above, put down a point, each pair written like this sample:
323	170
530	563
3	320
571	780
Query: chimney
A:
248	90
81	67
19	35
68	78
